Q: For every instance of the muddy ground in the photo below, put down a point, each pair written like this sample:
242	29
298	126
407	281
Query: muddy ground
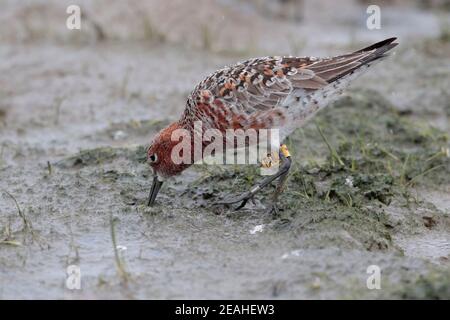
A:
370	184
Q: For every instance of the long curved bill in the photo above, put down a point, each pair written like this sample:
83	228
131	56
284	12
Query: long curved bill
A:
154	191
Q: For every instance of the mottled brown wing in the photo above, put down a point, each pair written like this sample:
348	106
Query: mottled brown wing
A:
258	86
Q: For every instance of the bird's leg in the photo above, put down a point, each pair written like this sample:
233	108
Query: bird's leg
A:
282	172
280	187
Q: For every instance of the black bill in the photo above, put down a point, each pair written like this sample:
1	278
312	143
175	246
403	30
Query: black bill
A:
154	191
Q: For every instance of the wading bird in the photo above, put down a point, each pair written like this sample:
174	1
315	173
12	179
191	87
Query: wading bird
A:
262	93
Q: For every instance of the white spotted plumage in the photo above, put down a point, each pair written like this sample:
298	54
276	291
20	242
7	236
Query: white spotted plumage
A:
275	92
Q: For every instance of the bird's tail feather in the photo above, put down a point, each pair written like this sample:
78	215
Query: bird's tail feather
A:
367	55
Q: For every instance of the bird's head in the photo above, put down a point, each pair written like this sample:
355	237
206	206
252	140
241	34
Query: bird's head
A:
160	158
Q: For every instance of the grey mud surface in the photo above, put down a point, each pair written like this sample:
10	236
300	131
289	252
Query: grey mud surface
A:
75	119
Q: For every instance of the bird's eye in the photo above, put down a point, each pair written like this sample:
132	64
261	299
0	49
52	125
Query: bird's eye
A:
153	158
